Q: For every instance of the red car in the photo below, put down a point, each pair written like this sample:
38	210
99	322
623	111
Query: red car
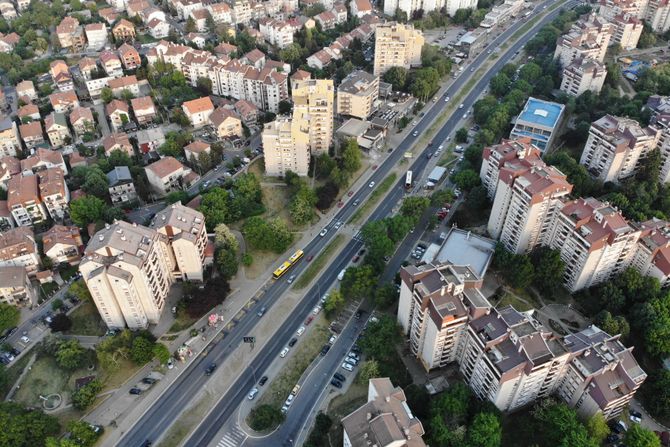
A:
356	258
310	257
309	320
350	193
340	204
374	167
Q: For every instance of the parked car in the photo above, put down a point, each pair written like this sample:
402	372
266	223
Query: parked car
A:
135	391
25	339
336	383
252	394
325	349
149	380
347	366
339	377
300	331
284	352
261	311
292	342
263	380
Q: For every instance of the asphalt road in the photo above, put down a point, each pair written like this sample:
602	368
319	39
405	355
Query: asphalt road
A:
167	408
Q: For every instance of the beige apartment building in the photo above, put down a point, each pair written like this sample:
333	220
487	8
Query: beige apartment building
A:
15	287
652	253
286	146
128	271
167	175
18	248
54	193
616	147
660	108
357	94
610	8
313	105
495	157
24	202
657	15
526	199
588	38
396	45
583	75
627	30
185	231
9	138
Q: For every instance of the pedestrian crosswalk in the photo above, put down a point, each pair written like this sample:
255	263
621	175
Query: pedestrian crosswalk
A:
233	437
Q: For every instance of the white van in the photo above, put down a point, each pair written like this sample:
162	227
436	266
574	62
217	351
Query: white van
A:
341	275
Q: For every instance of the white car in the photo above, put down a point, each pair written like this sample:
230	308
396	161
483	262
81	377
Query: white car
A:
323	232
25	339
300	331
465	116
415	134
252	393
316	309
371	185
461	106
284	352
447	99
332	339
347	366
413	123
440	147
323	299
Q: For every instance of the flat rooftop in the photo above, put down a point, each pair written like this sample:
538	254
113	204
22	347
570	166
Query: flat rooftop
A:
541	113
463	247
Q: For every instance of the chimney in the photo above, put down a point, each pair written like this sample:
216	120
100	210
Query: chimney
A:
368	416
387	398
443	290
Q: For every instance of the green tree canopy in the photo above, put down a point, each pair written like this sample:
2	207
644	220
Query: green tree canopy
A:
638	436
485	431
86	395
70	355
9	316
142	350
380	338
20	427
86	210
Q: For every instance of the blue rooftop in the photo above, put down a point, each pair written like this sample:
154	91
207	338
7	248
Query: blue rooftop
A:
541	113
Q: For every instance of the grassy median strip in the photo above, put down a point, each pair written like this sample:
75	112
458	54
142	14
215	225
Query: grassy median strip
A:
318	263
377	194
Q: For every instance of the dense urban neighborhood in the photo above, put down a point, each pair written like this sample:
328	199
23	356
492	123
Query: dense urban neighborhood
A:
327	223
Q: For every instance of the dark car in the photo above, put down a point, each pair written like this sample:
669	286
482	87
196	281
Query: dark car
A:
358	314
15	352
146	443
263	380
339	377
356	349
210	369
361	252
612	438
634	413
149	380
325	349
292	342
135	391
336	383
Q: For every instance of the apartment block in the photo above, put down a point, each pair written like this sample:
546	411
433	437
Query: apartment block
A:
54	193
384	421
396	45
9	138
55	125
588	38
286	147
124	30
198	111
660	119
121	186
18	248
43	159
15	287
64	101
185	231
616	147
652	253
82	120
410	7
96	34
63	244
143	109
610	8
583	75
226	123
627	30
538	120
527	197
595	242
657	15
118	113
127	269
495	157
24	202
70	34
276	32
357	93
313	104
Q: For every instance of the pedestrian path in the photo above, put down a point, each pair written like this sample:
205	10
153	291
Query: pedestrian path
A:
233	437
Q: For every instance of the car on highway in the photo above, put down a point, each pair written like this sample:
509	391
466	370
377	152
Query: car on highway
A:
447	99
323	232
135	391
325	349
356	202
301	330
340	377
310	257
429	155
338	224
488	51
374	167
291	279
350	193
210	369
261	311
355	259
347	366
336	383
263	380
284	352
252	394
461	106
465	116
371	185
292	342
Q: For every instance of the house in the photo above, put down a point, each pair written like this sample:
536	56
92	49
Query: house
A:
121	186
54	192
95	86
200	16
150	13
150	139
18	248
70	34
220	12
327	20
28	112
158	29
43	159
129	57
63	244
120	85
82	121
60	73
111	64
359	8
226	123
23	200
108	15
198	111
26	89
86	67
63	102
167	175
9	137
340	12
224	49
76	159
56	127
31	134
196	148
247	111
135	7
255	58
118	141
6	219
196	39
118	114
15	287
144	109
96	34
9	167
8	42
124	30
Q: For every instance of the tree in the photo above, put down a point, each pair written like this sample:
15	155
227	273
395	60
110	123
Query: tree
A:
106	95
485	431
368	370
86	210
223	237
549	268
9	316
466	179
414	207
656	391
204	86
442	196
22	427
70	355
358	282
386	295
351	156
82	433
226	262
79	290
380	338
60	323
462	135
397	76
215	206
285	107
265	417
597	427
638	436
141	350
96	182
560	425
86	395
301	208
161	353
177	197
272	235
619	325
334	303
190	26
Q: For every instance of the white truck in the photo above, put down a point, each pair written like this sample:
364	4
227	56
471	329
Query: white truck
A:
341	275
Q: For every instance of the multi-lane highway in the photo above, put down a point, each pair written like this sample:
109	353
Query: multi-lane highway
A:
167	408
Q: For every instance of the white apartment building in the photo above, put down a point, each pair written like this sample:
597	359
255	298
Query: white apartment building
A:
610	8
286	146
24	202
185	231
627	30
583	75
276	32
313	104
127	269
660	108
525	202
595	241
96	35
409	7
18	248
54	193
616	147
657	15
9	138
15	287
495	157
357	93
502	13
396	45
652	254
588	38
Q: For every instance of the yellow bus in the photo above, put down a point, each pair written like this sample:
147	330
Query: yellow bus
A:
294	258
281	270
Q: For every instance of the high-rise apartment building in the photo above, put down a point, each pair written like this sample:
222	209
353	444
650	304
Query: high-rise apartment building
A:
185	231
616	147
652	254
657	15
610	8
583	75
396	45
660	108
286	146
409	7
526	199
128	271
627	30
357	93
495	157
313	104
587	39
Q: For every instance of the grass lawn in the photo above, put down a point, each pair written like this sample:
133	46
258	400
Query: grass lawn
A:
48	289
377	194
86	321
182	321
126	370
13	373
317	264
509	299
44	378
307	350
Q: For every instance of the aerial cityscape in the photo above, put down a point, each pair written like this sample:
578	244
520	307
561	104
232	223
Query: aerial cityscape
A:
329	223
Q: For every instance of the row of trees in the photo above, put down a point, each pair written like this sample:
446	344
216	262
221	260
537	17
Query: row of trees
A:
543	267
336	172
241	198
422	82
